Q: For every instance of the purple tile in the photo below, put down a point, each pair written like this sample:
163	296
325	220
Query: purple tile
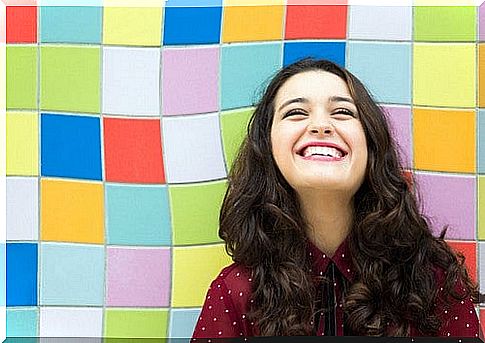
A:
138	277
190	81
400	122
449	200
481	22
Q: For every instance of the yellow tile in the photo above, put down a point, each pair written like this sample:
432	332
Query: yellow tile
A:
72	211
194	268
444	74
22	143
252	23
444	140
253	2
132	26
133	3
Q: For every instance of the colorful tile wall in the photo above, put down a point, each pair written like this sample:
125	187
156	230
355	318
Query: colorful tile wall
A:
124	119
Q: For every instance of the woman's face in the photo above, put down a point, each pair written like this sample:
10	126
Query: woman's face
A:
318	142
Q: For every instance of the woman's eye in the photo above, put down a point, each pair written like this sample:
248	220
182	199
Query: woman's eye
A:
344	111
294	113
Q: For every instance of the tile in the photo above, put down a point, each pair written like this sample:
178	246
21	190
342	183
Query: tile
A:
469	251
182	322
244	71
137	215
252	23
444	140
234	126
22	208
481	22
77	3
384	68
70	79
22	143
21	274
71	211
21	77
333	51
381	22
228	3
193	149
319	22
445	23
195	212
481	141
191	24
444	74
64	322
193	3
131	81
71	146
140	26
194	269
71	274
481	264
21	24
142	323
70	24
400	123
134	3
133	150
481	74
190	80
438	194
138	277
22	322
481	206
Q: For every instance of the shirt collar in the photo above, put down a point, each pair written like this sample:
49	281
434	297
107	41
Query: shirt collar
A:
341	259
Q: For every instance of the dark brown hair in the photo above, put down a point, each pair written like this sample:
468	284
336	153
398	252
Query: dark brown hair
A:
393	251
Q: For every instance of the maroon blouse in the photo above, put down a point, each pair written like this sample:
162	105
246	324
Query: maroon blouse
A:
228	302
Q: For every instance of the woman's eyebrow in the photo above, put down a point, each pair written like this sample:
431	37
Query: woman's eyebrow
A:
291	101
338	98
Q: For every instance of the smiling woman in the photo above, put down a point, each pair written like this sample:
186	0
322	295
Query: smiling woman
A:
324	229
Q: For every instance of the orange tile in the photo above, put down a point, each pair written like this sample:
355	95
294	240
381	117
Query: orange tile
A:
72	211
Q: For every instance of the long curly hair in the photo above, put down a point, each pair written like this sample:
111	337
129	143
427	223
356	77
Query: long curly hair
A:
392	247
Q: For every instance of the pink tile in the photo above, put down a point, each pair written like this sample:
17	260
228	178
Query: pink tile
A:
449	200
400	122
190	81
138	277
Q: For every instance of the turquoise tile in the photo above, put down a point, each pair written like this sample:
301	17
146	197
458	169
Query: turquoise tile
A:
137	215
384	68
245	70
22	322
73	24
481	141
72	274
182	322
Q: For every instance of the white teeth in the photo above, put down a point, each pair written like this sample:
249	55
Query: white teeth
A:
321	150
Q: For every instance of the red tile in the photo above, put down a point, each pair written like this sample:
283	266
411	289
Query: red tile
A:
316	22
469	250
133	150
21	24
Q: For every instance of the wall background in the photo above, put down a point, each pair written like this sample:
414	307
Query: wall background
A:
122	123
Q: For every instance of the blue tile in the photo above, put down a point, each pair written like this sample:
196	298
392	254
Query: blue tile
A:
384	68
70	146
193	3
333	51
22	322
192	25
138	215
245	71
72	274
70	24
182	322
21	274
481	141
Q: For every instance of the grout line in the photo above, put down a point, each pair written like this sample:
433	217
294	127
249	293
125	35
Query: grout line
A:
39	173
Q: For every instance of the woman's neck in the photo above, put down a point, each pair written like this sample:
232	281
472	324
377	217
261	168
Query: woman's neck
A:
329	218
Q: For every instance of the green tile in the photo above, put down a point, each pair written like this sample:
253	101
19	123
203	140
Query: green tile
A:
128	323
445	23
21	77
234	128
481	208
195	212
70	79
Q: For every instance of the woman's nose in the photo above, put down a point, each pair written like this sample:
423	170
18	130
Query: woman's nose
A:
321	127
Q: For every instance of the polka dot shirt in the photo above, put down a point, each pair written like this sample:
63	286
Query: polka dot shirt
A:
228	301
